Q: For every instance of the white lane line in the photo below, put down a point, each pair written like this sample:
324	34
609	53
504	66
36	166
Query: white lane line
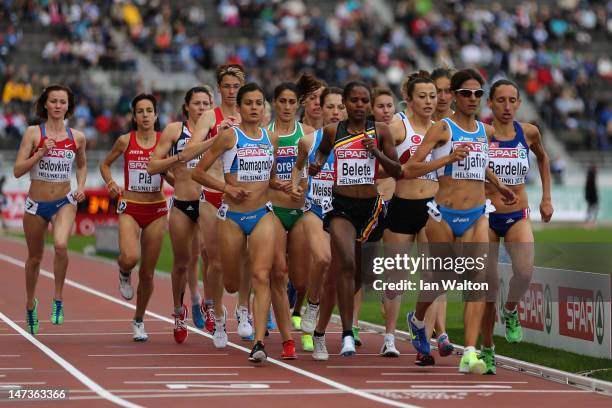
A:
444	382
2	375
210	382
156	355
391	367
88	334
313	376
22	383
10	355
84	321
15	368
192	375
174	367
427	374
418	371
79	375
448	387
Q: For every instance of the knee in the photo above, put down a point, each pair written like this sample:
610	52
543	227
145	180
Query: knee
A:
279	276
347	265
35	260
128	261
260	278
231	286
61	248
321	263
145	281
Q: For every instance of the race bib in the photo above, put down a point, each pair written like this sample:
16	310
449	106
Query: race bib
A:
355	166
254	164
31	206
474	165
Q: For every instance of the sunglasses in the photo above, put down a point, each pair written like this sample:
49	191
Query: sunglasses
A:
466	93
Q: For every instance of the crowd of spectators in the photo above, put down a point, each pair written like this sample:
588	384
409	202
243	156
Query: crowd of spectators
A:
543	45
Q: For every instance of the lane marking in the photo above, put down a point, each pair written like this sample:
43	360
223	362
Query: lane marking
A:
87	334
427	374
85	321
194	374
10	355
443	382
448	387
211	382
391	367
15	368
22	383
79	375
173	367
316	377
161	354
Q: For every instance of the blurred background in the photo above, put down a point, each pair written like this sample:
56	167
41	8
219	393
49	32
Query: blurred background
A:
559	52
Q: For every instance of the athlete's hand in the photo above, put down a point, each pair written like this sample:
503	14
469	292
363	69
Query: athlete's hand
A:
546	210
508	196
460	152
229	122
79	195
314	168
297	194
370	145
113	189
236	193
48	144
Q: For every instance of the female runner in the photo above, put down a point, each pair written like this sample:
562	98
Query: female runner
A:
142	208
47	152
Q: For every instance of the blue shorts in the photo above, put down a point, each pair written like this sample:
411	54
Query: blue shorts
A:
501	223
459	221
47	209
317	209
247	221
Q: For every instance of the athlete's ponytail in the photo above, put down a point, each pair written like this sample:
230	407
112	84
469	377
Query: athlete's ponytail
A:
307	84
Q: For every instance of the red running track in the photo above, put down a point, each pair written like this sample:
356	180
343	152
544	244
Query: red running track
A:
100	365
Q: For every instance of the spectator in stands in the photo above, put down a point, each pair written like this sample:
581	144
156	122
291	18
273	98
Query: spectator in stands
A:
592	197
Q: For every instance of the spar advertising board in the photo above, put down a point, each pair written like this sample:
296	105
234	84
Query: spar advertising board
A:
563	309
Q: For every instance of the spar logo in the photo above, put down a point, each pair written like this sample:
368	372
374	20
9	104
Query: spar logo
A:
501	153
354	154
581	314
547	309
137	165
286	151
531	307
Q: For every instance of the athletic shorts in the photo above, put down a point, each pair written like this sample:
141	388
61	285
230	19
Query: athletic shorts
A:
190	208
406	216
47	209
247	221
143	213
459	221
213	197
366	215
288	216
501	223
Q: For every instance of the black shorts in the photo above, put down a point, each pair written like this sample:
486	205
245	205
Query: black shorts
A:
190	208
366	215
406	216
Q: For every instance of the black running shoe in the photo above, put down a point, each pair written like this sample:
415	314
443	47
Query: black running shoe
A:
258	353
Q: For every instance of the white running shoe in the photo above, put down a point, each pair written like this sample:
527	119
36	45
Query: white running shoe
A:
220	334
125	286
348	346
244	326
139	331
309	319
388	348
319	352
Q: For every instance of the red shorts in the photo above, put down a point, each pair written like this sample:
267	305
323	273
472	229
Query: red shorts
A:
213	197
143	213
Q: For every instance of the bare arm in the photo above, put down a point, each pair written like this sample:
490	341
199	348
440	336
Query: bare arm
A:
160	162
304	145
25	160
325	148
118	149
388	156
534	139
197	144
221	143
81	164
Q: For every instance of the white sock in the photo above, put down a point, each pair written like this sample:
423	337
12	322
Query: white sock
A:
418	323
469	349
389	337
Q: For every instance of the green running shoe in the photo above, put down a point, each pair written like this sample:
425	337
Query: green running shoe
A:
57	315
488	356
296	322
32	318
358	342
307	344
470	363
514	331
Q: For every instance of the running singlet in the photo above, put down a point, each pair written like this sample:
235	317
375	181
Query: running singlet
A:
180	144
355	165
409	146
218	119
56	165
320	186
509	159
250	159
286	152
135	161
474	165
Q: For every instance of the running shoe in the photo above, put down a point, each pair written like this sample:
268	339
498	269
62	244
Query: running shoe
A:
445	348
348	346
309	320
125	285
32	318
258	353
488	356
470	363
296	322
514	331
197	316
358	342
180	327
245	327
419	337
288	350
319	353
139	331
220	334
209	316
270	325
57	314
424	360
388	348
291	295
307	344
